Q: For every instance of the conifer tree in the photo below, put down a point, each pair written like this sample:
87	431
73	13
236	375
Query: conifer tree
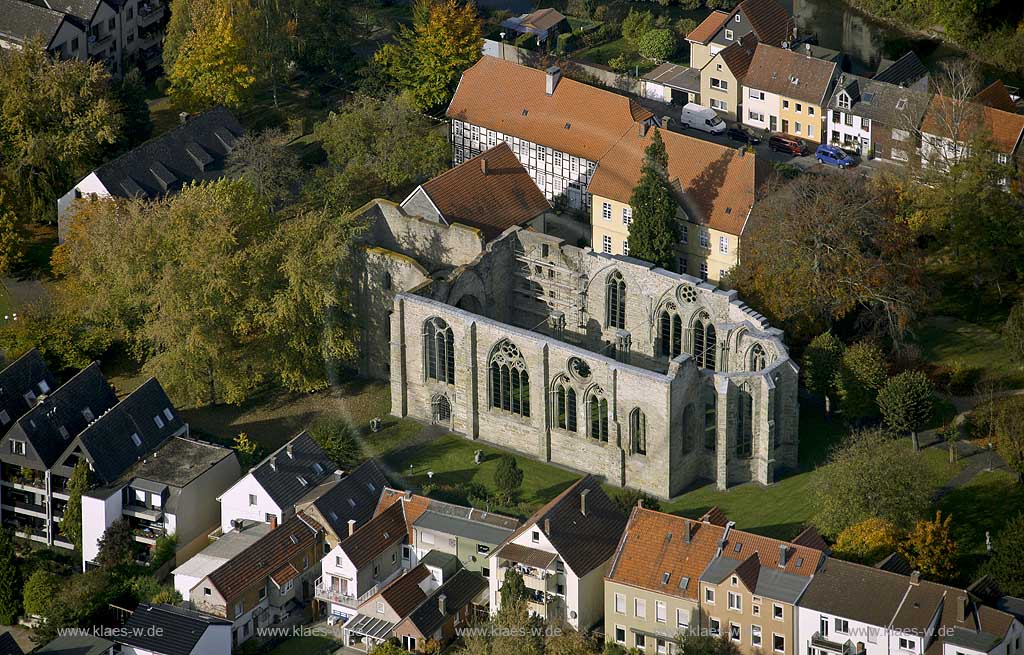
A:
654	232
78	483
10	581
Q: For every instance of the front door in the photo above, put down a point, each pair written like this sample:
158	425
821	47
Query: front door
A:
773	123
785	126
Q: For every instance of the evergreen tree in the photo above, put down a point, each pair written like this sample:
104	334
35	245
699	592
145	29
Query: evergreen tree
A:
78	483
509	477
10	581
907	403
340	440
654	232
821	362
513	588
117	545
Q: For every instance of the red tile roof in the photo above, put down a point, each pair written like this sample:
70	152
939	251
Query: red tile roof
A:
996	95
379	533
1004	128
708	27
266	556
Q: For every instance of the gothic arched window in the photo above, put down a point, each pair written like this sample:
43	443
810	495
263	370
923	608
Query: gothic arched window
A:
758	357
598	407
710	419
439	350
671	334
745	424
510	382
638	431
704	341
615	301
565	406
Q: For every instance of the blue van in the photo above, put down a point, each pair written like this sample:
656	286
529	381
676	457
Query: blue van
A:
833	156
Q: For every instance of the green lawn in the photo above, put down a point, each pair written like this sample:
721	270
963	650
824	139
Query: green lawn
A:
6	306
312	645
945	340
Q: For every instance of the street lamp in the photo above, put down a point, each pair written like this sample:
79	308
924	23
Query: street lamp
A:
502	46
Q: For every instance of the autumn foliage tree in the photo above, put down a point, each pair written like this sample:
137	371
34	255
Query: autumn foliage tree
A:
211	65
930	548
868	541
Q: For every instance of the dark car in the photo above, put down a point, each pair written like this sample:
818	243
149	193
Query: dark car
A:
743	136
786	143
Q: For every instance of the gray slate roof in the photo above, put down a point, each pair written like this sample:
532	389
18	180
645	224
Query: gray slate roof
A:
192	152
354	497
83	9
22	21
840	588
108	441
75	645
903	72
770	582
462	527
294	469
459	591
179	630
885	103
22	376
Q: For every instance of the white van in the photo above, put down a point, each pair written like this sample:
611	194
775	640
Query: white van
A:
702	118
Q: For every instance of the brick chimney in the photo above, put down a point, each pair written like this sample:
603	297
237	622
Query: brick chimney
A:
961	608
783	552
273	522
483	165
552	75
441	604
687	532
915	578
583	501
351	526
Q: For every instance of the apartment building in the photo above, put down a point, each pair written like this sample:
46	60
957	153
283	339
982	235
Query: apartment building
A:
715	188
563	552
786	91
269	491
766	20
467	533
172	491
557	128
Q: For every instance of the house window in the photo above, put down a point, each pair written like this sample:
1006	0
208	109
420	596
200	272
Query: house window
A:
625	247
721	85
735	634
906	644
796	127
263	593
639	640
682	618
606	211
843	101
723	245
606	244
159	421
428	537
252	500
615	301
565	404
439	350
810	130
660	612
684	234
620	603
735	602
17	447
899	155
714	626
785	104
756	610
719	105
661	648
638	432
620	634
778	643
755	116
848	120
627	215
207	592
74	44
810	110
755	94
755	636
709	595
900	135
136	440
239	606
535	536
842	626
640	608
111	24
777	613
481	549
705	239
728	35
681	263
168	415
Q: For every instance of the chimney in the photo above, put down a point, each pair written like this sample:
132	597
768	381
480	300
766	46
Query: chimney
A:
273	522
783	551
552	75
273	463
547	527
687	532
288	449
483	165
808	48
338	475
351	526
665	120
961	608
183	117
915	578
441	604
583	501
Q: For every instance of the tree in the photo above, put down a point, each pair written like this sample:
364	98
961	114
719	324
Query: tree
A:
907	402
512	587
693	642
658	44
1007	553
10	581
930	549
628	498
81	599
164	550
635	25
1008	425
131	94
819	249
868	541
861	374
41	589
822	358
10	237
340	440
249	452
388	647
210	66
117	545
654	233
78	483
427	61
1013	332
684	26
65	339
509	477
868	476
58	117
265	160
375	147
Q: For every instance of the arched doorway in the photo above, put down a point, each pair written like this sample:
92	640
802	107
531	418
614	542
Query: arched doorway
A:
442	409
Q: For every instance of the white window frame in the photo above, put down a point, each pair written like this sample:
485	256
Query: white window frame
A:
640	608
660	612
735	602
682	618
627	215
714	626
709	595
729	35
737	629
783	638
606	211
755	636
606	244
778	612
723	245
620	603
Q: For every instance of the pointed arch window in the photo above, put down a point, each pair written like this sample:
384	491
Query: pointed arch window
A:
744	424
638	431
758	357
704	341
565	406
510	381
710	419
615	300
439	350
671	327
598	407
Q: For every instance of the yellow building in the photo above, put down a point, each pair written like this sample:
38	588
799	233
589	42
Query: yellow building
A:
721	78
715	186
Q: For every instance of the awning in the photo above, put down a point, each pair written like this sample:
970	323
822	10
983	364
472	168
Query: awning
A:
149	485
370	627
534	557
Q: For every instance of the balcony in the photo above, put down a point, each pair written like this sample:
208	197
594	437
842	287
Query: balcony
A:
96	41
25	479
148	534
824	643
26	507
150	514
324	591
150	12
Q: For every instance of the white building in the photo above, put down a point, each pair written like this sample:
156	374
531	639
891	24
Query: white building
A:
563	553
224	547
761	109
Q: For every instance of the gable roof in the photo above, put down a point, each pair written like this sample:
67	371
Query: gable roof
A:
708	27
448	518
886	103
370	540
8	646
492	200
577	118
840	588
82	9
718	183
192	152
24	21
108	441
84	644
166	629
26	374
769	20
584	541
790	74
291	471
1003	127
458	591
997	96
737	57
405	593
254	564
542	19
63	408
903	72
354	497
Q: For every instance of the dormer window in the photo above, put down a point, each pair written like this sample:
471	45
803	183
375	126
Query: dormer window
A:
737	17
728	35
793	79
89	416
136	440
303	481
351	502
901	104
168	415
159	421
317	468
843	101
5	418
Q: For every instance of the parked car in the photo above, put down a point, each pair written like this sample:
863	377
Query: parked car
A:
786	143
702	118
741	135
833	156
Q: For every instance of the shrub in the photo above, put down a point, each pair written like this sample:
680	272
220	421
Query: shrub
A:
867	542
657	44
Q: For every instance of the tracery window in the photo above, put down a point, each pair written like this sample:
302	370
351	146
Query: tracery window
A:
638	431
671	328
615	299
565	406
745	424
439	350
598	407
704	341
510	381
758	357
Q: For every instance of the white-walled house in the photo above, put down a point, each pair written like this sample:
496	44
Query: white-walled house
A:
169	630
270	490
224	548
563	552
760	108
